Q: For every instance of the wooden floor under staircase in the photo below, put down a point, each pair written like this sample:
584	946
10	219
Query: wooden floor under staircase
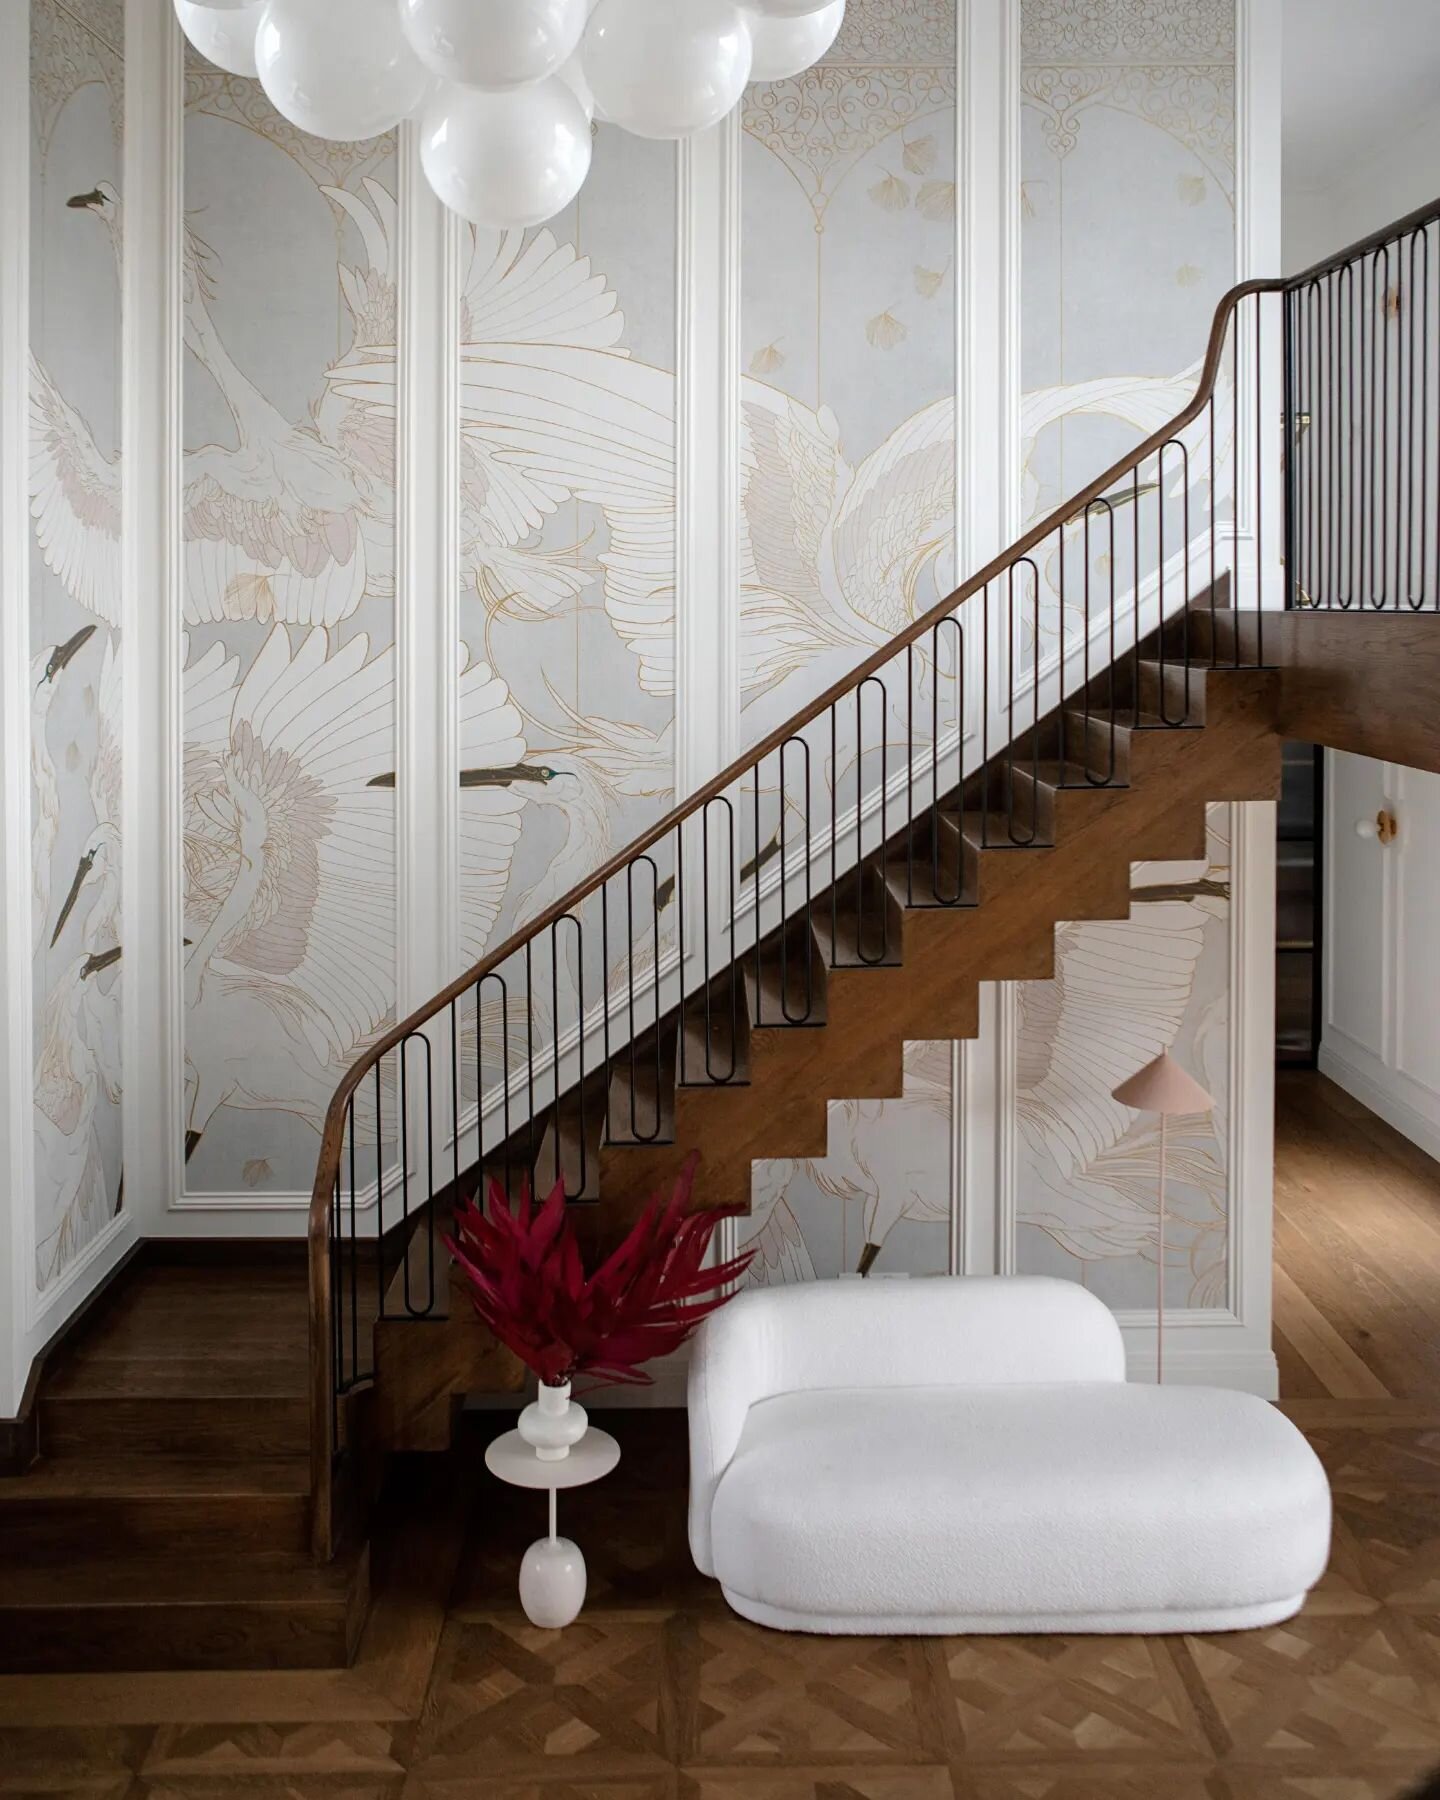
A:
165	1523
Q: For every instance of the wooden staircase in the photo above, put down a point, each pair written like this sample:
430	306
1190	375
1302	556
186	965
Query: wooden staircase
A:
880	960
211	1438
166	1522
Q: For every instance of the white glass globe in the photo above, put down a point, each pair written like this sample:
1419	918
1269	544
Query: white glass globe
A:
224	34
666	68
785	46
574	76
506	159
493	43
785	9
338	73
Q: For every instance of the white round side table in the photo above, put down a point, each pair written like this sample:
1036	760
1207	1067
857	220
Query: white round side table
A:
552	1572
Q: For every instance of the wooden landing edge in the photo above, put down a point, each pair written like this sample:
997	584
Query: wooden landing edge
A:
1363	681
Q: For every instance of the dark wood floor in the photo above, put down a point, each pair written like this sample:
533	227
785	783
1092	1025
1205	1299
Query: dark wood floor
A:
659	1693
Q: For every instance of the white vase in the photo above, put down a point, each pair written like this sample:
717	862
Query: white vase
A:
552	1583
553	1422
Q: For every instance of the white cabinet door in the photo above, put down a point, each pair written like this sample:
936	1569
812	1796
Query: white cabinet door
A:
1417	927
1355	925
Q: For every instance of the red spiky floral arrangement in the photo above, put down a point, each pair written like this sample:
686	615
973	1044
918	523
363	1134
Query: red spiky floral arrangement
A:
528	1283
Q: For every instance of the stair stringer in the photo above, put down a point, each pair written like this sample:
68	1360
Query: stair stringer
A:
933	991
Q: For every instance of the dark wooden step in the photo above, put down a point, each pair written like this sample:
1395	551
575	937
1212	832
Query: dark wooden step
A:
263	1611
785	984
640	1103
933	866
156	1504
268	1426
714	1046
1173	690
858	922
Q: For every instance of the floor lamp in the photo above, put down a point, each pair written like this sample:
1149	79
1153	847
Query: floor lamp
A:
1162	1087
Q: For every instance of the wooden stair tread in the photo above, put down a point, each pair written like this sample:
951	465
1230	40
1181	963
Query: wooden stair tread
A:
177	1377
156	1477
729	1047
640	1103
263	1578
778	991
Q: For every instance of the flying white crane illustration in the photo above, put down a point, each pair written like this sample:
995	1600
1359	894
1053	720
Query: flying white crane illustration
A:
97	872
891	1157
551	410
46	668
1120	991
835	558
71	1200
275	524
290	878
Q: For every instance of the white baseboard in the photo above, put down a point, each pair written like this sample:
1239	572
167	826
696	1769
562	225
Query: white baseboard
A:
1382	1100
1250	1371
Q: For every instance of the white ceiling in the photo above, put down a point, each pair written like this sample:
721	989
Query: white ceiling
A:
1358	74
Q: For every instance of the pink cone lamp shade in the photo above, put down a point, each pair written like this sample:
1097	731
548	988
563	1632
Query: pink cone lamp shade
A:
1162	1087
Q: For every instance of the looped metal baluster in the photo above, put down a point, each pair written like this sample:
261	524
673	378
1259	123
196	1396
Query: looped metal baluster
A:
733	982
417	1311
479	991
883	785
569	919
1100	505
1016	837
638	1136
936	887
1415	395
1184	608
807	941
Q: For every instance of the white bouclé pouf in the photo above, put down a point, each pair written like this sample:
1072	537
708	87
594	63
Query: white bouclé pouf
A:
965	1455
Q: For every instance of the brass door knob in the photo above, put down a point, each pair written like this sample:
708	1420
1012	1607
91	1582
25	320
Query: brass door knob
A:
1383	827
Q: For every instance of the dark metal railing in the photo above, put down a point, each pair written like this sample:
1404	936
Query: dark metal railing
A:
1299	473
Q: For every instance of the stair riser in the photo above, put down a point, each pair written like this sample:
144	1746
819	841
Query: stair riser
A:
188	1524
213	1426
52	1640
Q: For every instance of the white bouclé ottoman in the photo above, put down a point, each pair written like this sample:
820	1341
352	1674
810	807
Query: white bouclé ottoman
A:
965	1455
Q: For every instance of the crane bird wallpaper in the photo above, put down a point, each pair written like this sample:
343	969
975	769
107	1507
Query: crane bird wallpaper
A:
565	664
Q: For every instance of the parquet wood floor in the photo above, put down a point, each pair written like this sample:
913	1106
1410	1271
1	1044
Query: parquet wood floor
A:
660	1693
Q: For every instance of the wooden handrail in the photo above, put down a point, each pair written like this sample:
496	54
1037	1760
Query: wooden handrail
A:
332	1135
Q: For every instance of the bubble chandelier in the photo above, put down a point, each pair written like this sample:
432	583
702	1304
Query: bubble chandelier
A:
504	91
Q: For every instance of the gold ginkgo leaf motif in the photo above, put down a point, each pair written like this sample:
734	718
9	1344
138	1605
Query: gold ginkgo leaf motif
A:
72	756
936	200
1191	189
256	1170
918	155
1186	275
885	331
891	194
927	281
765	361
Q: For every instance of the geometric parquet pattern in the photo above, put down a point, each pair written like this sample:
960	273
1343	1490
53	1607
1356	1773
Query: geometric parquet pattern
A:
658	1692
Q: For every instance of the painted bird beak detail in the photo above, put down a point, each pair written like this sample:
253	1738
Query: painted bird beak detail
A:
64	654
82	871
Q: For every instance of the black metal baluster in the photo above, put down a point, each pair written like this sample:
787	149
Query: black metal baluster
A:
871	681
936	887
